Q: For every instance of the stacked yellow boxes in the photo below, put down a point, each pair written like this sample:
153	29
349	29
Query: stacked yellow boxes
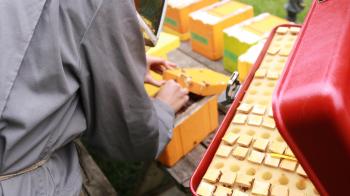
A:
239	38
166	44
201	117
247	60
207	25
177	16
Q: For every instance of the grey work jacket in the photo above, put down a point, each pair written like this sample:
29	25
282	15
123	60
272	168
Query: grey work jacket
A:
69	68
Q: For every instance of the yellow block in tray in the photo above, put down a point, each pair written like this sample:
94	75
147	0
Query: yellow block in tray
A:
261	159
239	38
247	60
200	81
166	44
207	24
177	16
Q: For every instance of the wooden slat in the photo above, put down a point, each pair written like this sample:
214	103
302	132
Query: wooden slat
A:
183	169
183	60
185	47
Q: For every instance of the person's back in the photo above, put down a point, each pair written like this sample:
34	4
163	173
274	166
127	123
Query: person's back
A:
58	78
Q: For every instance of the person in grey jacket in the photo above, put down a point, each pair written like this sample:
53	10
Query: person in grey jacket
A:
293	7
72	68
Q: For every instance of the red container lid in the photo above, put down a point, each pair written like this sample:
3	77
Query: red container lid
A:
312	101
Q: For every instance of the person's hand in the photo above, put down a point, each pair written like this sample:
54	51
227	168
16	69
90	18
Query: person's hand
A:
157	65
173	94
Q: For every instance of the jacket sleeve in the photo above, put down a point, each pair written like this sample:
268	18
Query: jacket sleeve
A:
123	123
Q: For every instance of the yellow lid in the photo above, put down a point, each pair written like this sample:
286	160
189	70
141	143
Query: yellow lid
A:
166	43
226	9
267	24
198	80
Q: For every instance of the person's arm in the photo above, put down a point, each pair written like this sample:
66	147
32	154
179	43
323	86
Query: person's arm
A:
170	98
123	123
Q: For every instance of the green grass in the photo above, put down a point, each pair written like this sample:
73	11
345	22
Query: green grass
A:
275	7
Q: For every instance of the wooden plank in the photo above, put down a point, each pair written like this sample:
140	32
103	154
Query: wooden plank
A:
186	184
185	47
183	60
183	169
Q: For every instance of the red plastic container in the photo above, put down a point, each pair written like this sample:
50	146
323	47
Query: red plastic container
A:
312	101
209	154
310	104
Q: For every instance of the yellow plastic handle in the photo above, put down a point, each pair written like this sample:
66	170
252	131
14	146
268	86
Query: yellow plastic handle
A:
276	155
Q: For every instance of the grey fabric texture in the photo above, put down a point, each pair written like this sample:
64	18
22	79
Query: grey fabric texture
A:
72	68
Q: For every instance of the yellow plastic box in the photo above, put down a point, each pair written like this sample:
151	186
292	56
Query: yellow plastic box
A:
239	38
207	25
166	43
247	60
199	81
191	127
177	16
197	121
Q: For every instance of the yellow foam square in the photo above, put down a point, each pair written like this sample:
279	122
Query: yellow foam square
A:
228	178
260	144
205	189
301	171
245	140
230	138
277	147
260	73
259	109
239	193
244	181
240	152
212	175
288	164
294	30
271	161
273	50
244	108
279	190
289	152
270	112
239	119
222	191
261	188
256	157
285	51
282	30
269	123
255	120
273	75
224	150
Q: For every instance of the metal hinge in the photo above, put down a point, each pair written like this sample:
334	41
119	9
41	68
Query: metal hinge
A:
226	98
